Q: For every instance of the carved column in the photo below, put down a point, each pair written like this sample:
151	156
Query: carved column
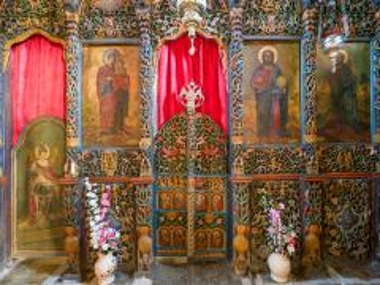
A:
375	86
308	81
146	90
3	208
241	224
236	72
236	83
311	196
144	196
146	72
308	92
3	109
144	204
2	104
240	194
72	54
72	199
375	91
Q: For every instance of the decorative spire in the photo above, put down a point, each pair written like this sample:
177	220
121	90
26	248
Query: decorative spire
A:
191	12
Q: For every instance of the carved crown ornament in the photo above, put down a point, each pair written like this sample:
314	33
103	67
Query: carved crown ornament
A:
191	12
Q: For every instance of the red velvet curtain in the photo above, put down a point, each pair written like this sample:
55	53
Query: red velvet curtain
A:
38	76
177	68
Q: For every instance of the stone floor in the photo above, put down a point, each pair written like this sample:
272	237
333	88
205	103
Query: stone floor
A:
31	270
50	271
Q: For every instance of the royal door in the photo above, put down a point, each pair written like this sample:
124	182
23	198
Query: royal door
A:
191	201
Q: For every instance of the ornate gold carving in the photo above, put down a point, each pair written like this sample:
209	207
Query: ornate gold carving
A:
241	250
310	138
109	162
72	142
71	246
72	17
312	250
145	143
238	166
376	138
237	139
144	247
145	167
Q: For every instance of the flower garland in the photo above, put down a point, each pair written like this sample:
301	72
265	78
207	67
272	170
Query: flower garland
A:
105	232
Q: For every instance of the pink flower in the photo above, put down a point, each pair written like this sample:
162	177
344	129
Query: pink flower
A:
291	249
271	230
283	237
104	236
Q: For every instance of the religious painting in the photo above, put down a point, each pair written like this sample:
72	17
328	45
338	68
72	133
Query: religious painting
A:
271	84
201	239
343	94
110	100
217	239
38	199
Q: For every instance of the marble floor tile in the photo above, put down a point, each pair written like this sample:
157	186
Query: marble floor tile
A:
49	271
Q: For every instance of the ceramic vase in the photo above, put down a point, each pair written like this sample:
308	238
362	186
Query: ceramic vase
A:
105	267
279	266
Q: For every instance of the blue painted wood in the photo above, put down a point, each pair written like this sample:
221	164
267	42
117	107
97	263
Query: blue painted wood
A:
3	236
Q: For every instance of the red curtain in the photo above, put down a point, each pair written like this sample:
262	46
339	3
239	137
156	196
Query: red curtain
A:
38	76
177	68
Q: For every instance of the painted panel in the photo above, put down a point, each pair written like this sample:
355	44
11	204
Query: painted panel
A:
210	219
343	94
271	92
347	226
171	216
38	204
171	195
110	102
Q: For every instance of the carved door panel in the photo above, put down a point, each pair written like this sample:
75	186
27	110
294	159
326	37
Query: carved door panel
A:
190	189
208	220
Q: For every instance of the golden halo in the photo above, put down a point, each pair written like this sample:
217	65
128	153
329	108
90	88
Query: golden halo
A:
344	53
265	48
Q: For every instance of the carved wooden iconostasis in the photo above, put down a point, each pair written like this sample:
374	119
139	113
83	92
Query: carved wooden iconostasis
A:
313	146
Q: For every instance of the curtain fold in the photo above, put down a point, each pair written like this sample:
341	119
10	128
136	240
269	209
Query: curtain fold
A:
38	78
177	68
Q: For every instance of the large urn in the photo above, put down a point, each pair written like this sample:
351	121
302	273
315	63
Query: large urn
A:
105	267
279	266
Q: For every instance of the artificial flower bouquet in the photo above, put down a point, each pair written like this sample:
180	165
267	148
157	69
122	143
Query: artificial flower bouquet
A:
281	235
105	232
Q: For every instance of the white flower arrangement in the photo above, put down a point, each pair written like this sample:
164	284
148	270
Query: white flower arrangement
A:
104	233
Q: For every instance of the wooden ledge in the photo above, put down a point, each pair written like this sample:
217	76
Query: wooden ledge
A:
111	179
251	178
304	177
